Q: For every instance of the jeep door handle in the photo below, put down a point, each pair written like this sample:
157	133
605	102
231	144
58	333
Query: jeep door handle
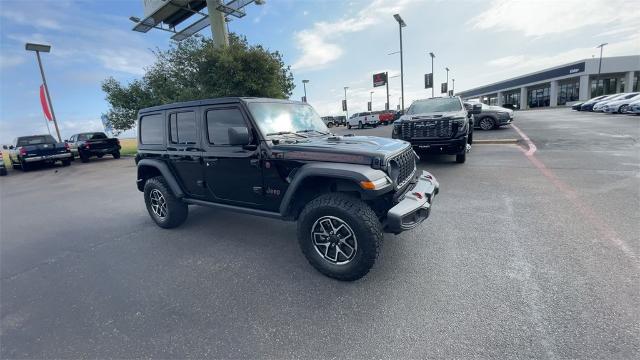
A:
211	162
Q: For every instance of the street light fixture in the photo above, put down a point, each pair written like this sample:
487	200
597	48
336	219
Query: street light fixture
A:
600	66
401	24
44	48
304	85
433	85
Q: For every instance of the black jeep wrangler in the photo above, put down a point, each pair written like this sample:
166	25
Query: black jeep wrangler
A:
276	158
440	125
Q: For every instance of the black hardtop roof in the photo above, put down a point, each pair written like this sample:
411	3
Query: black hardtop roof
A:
216	101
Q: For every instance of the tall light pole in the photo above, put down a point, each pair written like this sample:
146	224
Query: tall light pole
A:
304	85
345	101
433	85
446	68
453	86
401	24
371	99
44	48
600	67
387	105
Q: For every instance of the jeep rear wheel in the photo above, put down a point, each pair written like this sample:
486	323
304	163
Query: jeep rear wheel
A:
340	236
164	208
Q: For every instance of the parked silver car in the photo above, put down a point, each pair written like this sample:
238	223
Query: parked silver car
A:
492	117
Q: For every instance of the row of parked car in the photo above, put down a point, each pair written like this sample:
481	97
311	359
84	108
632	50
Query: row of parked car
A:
28	151
620	103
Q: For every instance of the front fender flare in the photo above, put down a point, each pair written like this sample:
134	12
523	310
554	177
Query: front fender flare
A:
352	172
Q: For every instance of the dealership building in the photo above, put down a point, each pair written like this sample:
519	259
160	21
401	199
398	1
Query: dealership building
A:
562	85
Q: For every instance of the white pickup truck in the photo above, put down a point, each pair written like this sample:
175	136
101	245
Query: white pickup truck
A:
363	119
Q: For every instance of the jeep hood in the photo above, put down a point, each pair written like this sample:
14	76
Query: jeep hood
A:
344	149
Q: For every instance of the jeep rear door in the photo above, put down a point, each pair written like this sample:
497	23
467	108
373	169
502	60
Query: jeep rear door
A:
232	172
184	150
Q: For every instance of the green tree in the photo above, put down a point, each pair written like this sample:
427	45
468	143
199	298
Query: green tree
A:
195	69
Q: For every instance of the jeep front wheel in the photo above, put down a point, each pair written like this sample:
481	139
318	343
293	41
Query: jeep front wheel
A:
164	208
340	236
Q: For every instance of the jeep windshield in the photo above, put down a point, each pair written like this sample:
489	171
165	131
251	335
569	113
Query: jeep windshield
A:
434	105
286	119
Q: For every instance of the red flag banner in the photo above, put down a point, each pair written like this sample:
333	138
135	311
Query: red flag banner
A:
45	104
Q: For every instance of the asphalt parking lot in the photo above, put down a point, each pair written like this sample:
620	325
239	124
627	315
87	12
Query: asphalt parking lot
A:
532	251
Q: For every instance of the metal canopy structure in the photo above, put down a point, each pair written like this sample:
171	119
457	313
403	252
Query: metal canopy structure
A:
166	15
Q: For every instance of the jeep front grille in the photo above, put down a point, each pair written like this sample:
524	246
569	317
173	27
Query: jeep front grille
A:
425	129
406	166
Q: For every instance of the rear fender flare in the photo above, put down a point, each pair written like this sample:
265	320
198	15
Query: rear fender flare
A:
164	170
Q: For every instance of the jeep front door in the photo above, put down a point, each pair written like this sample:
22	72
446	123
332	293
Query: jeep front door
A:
232	171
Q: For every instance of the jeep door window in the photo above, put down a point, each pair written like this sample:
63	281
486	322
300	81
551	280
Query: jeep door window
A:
279	118
182	128
151	130
434	105
218	123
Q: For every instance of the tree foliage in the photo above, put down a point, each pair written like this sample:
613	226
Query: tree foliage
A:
195	69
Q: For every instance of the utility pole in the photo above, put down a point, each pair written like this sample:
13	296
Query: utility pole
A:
371	99
401	24
304	85
218	23
346	106
600	68
453	85
446	68
45	48
433	85
386	76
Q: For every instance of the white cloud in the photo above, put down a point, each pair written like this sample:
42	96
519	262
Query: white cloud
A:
23	19
538	18
507	60
318	43
10	60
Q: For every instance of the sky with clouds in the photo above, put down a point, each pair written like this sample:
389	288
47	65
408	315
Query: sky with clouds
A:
333	44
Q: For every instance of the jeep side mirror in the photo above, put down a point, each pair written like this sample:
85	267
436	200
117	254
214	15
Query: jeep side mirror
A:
239	136
476	109
5	147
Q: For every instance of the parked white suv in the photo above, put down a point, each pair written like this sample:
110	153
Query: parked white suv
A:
363	119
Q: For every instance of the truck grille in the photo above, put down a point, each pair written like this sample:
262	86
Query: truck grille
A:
406	164
440	128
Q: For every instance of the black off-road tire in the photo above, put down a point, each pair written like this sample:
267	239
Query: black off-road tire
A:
461	158
176	210
83	157
116	155
362	221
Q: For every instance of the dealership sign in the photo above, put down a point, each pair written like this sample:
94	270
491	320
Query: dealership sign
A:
443	87
379	79
428	81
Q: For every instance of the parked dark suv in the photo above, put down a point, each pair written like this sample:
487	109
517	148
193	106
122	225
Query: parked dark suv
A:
275	158
441	125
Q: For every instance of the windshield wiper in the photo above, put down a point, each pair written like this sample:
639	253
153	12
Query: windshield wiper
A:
312	130
283	133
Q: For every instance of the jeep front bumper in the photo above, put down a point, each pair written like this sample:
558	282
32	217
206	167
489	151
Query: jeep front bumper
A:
414	207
